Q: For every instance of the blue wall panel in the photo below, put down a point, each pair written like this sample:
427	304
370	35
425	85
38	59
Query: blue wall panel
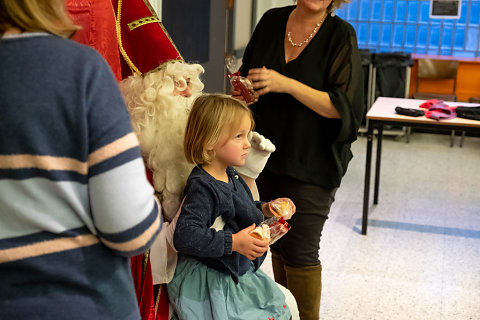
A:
475	14
388	11
404	25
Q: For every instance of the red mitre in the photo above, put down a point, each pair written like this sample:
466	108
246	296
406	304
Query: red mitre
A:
142	39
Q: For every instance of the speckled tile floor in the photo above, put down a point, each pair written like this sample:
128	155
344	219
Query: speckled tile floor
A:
421	257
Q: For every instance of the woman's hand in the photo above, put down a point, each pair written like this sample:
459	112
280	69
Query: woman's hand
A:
235	93
245	244
267	80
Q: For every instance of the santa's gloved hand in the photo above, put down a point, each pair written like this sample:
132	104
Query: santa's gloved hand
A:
170	227
257	155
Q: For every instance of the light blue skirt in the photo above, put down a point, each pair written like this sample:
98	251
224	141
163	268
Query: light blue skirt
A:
199	292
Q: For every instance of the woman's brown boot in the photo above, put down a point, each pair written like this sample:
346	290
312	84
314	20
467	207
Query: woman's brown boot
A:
305	283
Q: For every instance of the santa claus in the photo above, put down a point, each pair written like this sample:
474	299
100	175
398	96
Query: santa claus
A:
159	103
158	87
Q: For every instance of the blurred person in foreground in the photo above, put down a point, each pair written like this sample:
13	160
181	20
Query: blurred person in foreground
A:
74	199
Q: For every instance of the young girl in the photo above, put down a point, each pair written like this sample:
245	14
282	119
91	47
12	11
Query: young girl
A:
217	275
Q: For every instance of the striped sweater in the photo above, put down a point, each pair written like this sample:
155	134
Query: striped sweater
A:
74	199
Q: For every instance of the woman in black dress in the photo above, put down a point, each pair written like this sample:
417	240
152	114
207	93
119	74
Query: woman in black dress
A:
304	63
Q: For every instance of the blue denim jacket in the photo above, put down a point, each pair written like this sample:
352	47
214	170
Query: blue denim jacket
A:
206	199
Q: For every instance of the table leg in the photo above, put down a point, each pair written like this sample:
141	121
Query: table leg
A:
378	163
366	190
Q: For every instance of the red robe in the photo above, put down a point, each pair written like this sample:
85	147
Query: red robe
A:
98	31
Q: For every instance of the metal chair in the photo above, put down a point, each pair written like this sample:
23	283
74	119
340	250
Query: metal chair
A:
391	78
434	69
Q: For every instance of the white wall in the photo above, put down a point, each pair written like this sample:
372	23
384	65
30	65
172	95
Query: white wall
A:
264	5
157	6
244	12
242	17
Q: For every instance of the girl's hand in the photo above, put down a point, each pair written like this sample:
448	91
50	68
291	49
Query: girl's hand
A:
266	210
266	80
290	202
268	213
245	244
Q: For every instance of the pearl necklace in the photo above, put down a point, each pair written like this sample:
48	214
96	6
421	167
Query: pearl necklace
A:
293	44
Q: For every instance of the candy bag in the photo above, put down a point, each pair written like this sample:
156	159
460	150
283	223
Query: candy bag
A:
278	227
238	82
271	230
261	232
281	208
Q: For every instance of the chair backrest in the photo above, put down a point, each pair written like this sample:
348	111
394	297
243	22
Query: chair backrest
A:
438	96
434	69
391	74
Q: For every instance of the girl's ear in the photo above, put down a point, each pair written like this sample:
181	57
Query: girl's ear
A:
210	147
212	154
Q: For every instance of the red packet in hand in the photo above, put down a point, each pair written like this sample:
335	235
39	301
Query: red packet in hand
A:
245	87
238	82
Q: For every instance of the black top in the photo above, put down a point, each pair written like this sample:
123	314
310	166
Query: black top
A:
310	147
206	199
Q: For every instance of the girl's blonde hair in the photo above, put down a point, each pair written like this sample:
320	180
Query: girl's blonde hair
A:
210	114
36	15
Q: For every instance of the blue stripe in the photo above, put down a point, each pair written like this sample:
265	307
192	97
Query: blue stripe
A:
140	250
147	245
39	237
53	175
118	160
134	232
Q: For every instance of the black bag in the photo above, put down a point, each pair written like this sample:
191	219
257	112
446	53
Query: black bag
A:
468	112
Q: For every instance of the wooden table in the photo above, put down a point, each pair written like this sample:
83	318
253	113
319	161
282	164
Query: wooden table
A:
383	113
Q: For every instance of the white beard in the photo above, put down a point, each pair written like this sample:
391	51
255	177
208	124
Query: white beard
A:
159	119
161	136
